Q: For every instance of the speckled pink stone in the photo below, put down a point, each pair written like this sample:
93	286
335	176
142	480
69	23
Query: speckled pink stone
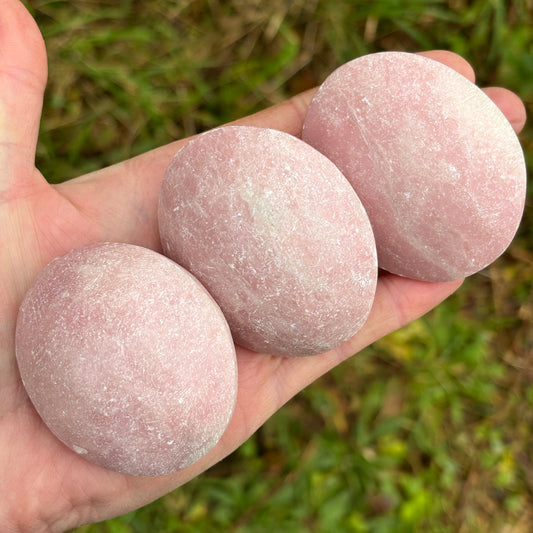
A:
127	358
436	164
275	233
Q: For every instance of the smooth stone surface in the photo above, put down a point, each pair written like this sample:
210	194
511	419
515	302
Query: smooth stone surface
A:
127	358
436	164
275	233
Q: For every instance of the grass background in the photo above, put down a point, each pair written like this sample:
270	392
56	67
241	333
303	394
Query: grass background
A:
430	429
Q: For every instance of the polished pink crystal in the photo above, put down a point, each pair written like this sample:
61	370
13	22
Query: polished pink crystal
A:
436	164
127	358
275	233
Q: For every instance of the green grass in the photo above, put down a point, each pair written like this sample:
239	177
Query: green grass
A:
429	429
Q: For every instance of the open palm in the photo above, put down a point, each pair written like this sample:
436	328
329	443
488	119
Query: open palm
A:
43	485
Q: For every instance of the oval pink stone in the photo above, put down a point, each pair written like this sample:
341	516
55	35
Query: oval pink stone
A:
436	164
275	233
127	358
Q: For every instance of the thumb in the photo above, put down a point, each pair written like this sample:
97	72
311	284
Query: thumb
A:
23	72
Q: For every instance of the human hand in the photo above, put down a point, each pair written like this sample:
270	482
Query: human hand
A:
43	485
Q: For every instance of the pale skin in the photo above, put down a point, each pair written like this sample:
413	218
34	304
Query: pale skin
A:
43	485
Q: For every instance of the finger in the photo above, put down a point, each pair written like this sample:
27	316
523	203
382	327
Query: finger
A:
452	60
23	72
134	184
511	106
272	381
398	301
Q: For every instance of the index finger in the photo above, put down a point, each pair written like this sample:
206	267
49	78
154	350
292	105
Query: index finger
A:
133	186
